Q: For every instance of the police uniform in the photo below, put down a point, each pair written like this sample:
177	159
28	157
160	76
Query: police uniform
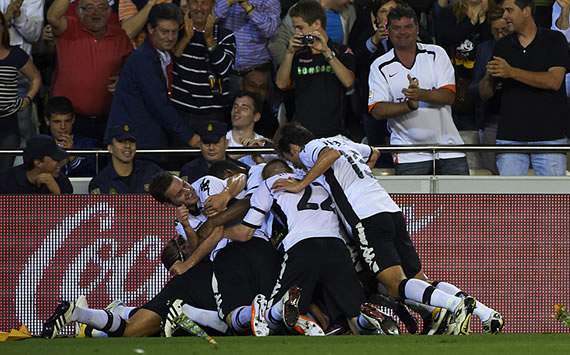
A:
109	182
198	167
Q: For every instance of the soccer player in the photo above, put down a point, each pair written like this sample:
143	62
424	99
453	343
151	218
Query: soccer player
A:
376	221
315	257
193	287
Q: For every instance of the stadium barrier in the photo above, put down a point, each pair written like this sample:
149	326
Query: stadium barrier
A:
510	251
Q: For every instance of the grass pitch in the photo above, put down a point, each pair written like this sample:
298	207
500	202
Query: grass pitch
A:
505	344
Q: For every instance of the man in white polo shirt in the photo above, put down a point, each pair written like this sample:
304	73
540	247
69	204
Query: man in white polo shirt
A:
413	86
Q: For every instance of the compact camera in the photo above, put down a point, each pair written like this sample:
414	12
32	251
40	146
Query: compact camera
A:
307	40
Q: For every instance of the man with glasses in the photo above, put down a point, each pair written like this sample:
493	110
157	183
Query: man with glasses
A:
90	53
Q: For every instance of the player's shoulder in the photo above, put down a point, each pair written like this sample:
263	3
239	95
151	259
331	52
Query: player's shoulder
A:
204	183
431	49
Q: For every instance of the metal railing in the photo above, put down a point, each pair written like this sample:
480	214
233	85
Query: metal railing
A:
434	149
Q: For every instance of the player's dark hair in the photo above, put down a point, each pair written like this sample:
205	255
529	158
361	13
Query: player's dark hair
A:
292	133
159	184
58	105
402	11
257	103
274	167
219	168
521	4
310	11
174	250
164	11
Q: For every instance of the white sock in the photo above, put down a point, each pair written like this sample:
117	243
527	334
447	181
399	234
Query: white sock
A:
240	319
98	334
124	311
97	318
205	317
481	310
274	317
362	324
415	290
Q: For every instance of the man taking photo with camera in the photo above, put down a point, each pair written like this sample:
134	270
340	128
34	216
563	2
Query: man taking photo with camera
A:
319	71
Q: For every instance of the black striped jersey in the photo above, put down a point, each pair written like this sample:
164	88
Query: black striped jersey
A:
349	180
307	214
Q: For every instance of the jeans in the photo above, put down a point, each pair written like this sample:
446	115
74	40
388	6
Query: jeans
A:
453	166
544	164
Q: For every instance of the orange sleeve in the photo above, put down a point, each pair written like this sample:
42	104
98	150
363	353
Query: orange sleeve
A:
450	87
127	9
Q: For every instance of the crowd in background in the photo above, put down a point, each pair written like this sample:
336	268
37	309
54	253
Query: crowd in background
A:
145	74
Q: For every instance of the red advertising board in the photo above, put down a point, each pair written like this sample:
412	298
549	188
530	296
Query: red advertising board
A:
512	252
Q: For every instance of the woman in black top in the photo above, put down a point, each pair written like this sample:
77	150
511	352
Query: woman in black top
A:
13	61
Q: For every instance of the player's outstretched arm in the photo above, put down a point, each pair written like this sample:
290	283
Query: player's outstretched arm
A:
180	267
326	159
219	202
234	213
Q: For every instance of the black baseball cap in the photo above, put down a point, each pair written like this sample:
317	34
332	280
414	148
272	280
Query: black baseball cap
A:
41	146
122	133
213	131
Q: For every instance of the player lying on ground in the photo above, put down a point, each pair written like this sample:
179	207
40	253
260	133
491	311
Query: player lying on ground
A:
377	225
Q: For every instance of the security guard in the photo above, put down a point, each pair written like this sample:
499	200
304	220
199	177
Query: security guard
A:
124	175
213	145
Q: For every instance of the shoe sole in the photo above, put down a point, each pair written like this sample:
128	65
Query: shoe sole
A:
441	317
291	308
173	313
464	328
257	324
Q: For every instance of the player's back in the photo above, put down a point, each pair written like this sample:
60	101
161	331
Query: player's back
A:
350	180
307	214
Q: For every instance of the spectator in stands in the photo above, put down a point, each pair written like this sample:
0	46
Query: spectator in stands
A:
25	19
460	28
14	61
205	56
253	23
213	145
487	113
320	70
369	43
40	172
260	83
413	86
142	98
60	118
124	175
133	16
341	18
90	52
561	23
530	64
246	112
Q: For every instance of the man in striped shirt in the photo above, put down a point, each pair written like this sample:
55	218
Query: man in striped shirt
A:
205	56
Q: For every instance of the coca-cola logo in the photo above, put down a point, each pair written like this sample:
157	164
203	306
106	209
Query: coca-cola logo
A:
101	259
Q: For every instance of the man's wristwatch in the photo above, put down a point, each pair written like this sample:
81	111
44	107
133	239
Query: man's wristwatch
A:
330	56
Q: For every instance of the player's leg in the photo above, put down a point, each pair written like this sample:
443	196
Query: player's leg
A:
67	312
379	238
299	271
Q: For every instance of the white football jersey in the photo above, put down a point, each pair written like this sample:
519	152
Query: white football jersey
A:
430	123
307	214
350	180
254	180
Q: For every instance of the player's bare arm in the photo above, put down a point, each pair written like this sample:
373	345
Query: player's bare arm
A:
326	159
205	248
219	202
234	213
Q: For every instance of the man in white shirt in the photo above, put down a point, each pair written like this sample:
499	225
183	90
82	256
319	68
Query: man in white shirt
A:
413	86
